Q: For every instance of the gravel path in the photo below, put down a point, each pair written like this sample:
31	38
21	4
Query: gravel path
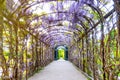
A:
59	70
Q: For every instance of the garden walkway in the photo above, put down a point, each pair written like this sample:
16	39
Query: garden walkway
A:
59	70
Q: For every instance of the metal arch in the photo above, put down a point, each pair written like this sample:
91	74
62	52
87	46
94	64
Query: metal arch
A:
47	35
54	38
85	17
55	27
60	43
56	24
48	29
55	31
52	35
62	28
38	2
65	38
62	32
50	14
57	40
57	11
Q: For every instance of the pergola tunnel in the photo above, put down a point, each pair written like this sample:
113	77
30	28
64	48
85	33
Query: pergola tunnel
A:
34	33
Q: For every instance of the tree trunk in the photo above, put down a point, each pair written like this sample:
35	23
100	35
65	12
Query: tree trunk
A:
93	55
102	50
16	54
5	73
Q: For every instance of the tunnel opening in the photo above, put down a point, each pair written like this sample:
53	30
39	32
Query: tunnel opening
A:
61	52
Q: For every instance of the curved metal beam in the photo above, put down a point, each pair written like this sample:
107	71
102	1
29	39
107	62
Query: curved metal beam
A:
54	38
59	32
56	35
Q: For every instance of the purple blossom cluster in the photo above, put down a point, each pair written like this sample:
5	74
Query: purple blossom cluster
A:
75	12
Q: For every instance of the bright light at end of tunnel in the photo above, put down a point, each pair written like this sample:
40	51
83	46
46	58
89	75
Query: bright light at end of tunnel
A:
61	53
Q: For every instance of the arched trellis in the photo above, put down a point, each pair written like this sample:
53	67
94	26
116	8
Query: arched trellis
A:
52	38
58	41
85	50
64	12
53	31
67	33
56	29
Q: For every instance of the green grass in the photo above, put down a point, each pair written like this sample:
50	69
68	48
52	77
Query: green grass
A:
61	53
119	75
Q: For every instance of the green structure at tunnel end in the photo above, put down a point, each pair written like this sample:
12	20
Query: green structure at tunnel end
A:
61	51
